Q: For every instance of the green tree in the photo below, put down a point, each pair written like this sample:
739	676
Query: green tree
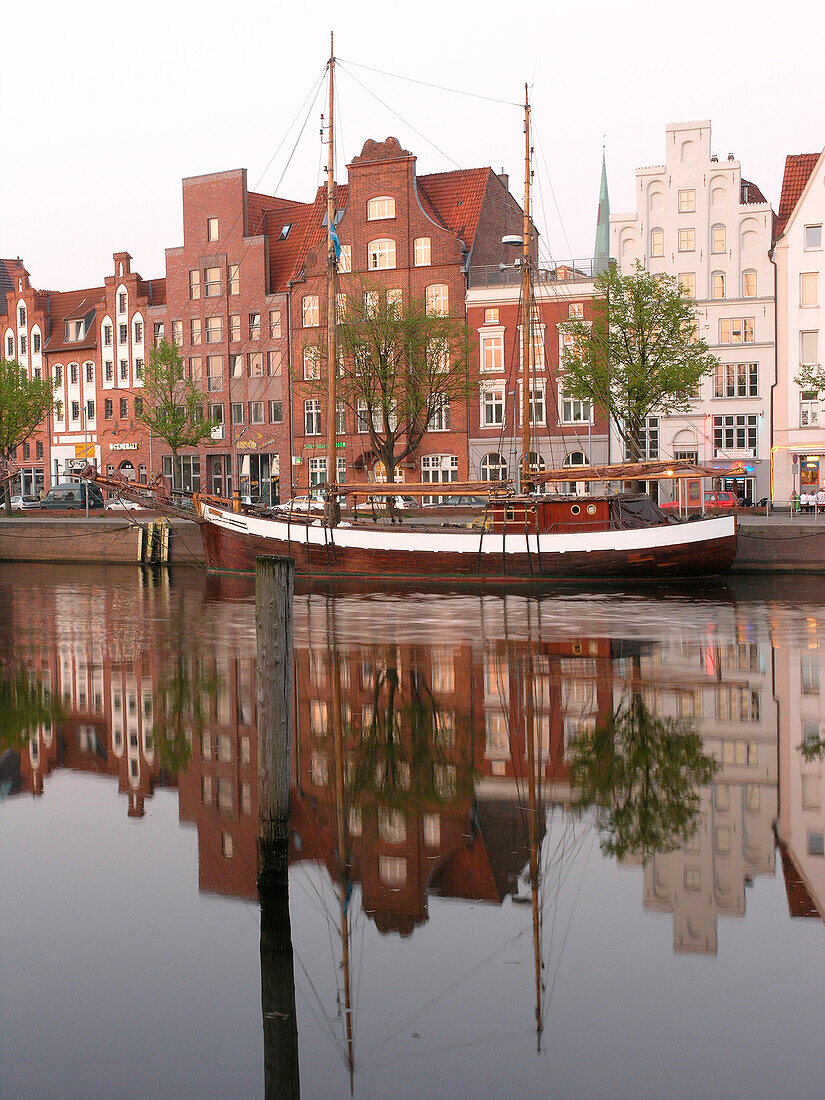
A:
24	704
642	776
640	355
401	364
171	404
24	403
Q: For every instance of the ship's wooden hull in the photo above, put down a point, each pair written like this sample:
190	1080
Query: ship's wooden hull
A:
233	542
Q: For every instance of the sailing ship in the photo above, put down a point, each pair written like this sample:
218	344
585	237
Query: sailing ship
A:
518	537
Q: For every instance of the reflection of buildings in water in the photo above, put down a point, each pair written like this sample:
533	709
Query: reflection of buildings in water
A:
722	683
800	677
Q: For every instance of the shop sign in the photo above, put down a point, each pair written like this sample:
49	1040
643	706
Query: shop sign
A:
123	446
84	450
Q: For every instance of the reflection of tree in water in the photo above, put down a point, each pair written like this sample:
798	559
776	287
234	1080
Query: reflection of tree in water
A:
642	774
412	753
25	704
183	707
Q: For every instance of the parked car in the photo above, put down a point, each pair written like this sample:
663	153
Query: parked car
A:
715	500
380	502
22	503
71	495
120	504
301	505
461	502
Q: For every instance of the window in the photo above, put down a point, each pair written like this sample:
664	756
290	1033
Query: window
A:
273	363
276	412
124	407
439	413
121	302
809	409
234	279
491	316
214	372
312	364
574	411
274	324
809	288
310	311
211	229
575	311
195	331
687	201
537	350
254	326
107	336
236	365
214	330
537	408
58	410
108	371
23	343
212	282
21	317
340	418
10	346
437	299
255	364
35	342
234	327
736	380
657	242
649	438
195	367
493	467
395	302
383	207
717	238
381	254
734	433
194	284
108	409
157	332
317	472
809	674
256	412
312	417
687	240
124	370
748	284
813	237
138	406
138	330
371	303
90	372
237	413
687	281
438	469
177	333
491	346
75	410
73	374
717	285
422	254
38	449
362	423
492	407
122	334
808	348
736	330
90	410
345	259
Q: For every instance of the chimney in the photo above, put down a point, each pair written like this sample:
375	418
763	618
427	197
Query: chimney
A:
505	179
731	156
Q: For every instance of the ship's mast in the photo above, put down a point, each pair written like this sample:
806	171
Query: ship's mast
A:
332	266
527	310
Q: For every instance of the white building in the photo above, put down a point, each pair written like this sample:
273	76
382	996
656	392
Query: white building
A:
698	219
798	456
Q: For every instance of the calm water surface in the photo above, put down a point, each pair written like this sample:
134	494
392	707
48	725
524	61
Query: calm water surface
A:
678	835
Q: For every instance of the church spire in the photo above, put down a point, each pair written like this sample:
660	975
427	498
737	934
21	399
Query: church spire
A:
601	249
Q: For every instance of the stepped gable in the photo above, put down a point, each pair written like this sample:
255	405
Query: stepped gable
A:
373	151
72	305
798	169
457	197
154	290
7	269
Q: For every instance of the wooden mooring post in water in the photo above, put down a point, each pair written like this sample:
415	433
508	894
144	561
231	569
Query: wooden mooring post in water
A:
274	589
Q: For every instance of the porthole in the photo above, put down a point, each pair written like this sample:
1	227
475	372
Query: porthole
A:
575	509
591	509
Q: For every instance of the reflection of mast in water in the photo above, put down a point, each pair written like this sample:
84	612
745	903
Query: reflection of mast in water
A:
532	830
344	881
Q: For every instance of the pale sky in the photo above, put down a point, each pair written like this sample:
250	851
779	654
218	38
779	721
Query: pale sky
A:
105	108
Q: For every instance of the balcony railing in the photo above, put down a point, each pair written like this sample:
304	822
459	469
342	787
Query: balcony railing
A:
565	272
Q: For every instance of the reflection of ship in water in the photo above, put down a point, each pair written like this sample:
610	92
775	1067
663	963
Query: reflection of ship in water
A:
435	808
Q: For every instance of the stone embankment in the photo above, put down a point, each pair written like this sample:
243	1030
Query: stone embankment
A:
766	544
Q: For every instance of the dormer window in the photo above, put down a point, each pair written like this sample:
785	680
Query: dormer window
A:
75	330
382	207
282	236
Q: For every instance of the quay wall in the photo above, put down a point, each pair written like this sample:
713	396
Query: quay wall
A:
765	545
106	540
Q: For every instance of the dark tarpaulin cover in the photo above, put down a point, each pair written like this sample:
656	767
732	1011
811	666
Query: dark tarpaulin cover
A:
633	510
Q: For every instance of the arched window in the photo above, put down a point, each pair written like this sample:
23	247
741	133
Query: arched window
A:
748	284
381	207
577	458
493	467
381	254
438	300
127	469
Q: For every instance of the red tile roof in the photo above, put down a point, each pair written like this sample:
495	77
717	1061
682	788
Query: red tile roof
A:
154	290
287	257
457	197
6	282
64	305
749	193
798	169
